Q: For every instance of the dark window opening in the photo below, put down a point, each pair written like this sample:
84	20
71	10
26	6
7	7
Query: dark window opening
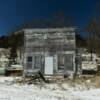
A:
29	62
29	59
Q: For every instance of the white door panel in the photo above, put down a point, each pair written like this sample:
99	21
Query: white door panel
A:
49	65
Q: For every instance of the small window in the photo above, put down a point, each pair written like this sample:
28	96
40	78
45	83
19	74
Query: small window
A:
29	59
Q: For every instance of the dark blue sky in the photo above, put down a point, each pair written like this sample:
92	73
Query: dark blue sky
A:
16	12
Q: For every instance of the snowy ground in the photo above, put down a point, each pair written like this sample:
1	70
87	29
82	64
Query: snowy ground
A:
59	91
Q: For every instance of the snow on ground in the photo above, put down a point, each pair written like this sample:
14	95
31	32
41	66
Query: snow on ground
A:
55	91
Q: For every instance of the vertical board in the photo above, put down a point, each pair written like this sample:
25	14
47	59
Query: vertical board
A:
48	65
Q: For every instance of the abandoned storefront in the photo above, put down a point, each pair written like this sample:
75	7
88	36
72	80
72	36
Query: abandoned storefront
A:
51	51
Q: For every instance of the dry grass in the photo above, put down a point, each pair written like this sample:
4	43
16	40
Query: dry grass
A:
97	81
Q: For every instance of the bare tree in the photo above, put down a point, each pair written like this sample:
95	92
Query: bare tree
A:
93	30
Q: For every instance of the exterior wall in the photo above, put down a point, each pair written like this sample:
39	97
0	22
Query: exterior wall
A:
49	42
4	57
19	56
87	64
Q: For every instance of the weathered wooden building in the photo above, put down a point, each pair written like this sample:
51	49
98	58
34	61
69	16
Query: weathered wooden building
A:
50	50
